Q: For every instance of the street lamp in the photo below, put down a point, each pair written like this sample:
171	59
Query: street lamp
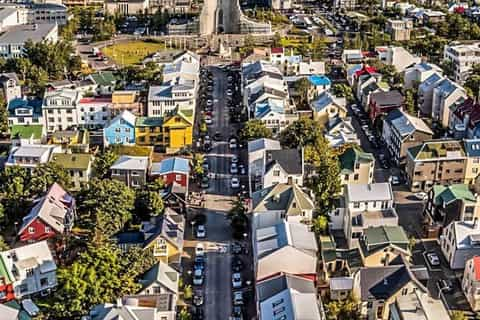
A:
192	223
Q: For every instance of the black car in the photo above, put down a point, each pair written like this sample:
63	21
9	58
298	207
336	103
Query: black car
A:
385	164
236	248
198	314
217	136
199	262
237	264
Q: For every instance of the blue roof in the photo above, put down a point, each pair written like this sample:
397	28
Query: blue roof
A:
35	104
430	81
323	101
264	107
354	69
174	164
425	66
400	122
472	147
319	80
446	87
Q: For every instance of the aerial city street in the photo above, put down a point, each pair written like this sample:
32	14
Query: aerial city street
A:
239	160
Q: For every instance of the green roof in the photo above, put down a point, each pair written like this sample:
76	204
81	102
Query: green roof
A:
125	150
448	194
351	156
79	161
438	149
149	122
104	78
385	234
26	131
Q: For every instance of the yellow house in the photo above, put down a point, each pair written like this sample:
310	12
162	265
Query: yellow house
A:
149	131
178	130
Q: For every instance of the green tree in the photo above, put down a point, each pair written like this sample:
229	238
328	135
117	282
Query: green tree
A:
3	245
410	101
198	170
137	261
148	203
15	189
103	162
47	174
3	117
343	90
472	85
320	224
105	206
458	315
187	292
238	219
254	129
343	309
300	133
185	315
447	67
302	89
97	276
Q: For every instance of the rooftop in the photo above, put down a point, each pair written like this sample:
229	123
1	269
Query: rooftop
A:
78	161
282	196
289	159
353	155
369	192
437	149
149	122
406	124
444	195
21	33
173	164
387	98
385	234
131	163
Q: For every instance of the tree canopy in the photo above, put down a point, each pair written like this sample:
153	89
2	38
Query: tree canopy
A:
300	133
254	129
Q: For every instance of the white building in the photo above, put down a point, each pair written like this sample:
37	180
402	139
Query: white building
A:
419	73
10	16
166	98
126	7
275	113
398	57
94	112
460	241
13	40
445	94
11	86
31	269
184	69
30	156
280	4
60	109
257	155
463	57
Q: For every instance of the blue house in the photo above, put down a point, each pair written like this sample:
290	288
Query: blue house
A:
120	130
320	83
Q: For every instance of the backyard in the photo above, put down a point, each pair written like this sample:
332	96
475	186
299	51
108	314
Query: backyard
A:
132	52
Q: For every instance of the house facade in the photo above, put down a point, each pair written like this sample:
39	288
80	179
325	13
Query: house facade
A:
356	166
78	165
120	130
60	109
172	170
382	103
94	113
460	241
131	170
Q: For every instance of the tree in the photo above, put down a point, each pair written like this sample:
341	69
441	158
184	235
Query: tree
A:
47	174
458	315
3	117
148	203
320	224
238	219
410	101
343	309
99	275
300	133
198	170
137	261
447	67
15	189
3	245
187	292
472	85
105	206
254	129
103	162
302	89
185	315
343	90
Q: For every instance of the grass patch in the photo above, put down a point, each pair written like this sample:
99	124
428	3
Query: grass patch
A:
126	150
133	52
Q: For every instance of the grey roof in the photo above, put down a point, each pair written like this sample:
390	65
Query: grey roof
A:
301	237
369	192
382	282
429	82
446	87
21	33
270	287
130	163
162	274
472	147
281	197
341	283
134	308
406	124
263	144
31	151
289	159
388	98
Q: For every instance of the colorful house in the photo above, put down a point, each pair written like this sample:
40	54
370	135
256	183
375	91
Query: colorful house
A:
78	166
172	170
52	215
178	130
149	131
120	130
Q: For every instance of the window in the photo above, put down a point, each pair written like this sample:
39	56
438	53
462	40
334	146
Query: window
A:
134	173
31	230
178	177
346	177
160	248
356	205
277	303
276	173
29	272
47	229
43	282
117	129
127	129
355	177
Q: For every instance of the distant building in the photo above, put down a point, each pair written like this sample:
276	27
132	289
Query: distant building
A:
399	30
126	7
30	156
463	58
398	57
13	40
471	282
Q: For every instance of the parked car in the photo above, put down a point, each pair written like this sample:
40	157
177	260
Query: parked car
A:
421	196
433	259
233	143
445	285
237	298
233	168
208	120
201	231
237	264
237	313
198	298
199	250
241	169
395	180
236	280
235	183
198	277
205	183
199	262
235	159
217	136
198	314
236	248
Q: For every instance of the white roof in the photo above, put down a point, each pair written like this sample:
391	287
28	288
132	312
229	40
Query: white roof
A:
130	163
31	151
341	283
369	192
465	232
312	67
263	144
8	313
127	116
291	304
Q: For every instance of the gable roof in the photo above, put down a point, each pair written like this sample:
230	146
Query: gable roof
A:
351	156
387	98
270	287
429	82
104	78
446	87
289	159
291	304
148	122
53	209
444	195
130	163
319	80
127	116
406	124
282	196
161	273
173	164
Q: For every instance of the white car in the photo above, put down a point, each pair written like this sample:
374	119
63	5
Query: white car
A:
209	102
199	250
232	144
395	180
233	168
201	231
421	196
235	183
236	280
229	92
433	259
198	277
208	120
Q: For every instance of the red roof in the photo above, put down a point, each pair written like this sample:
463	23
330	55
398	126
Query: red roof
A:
96	100
476	267
365	69
277	50
368	54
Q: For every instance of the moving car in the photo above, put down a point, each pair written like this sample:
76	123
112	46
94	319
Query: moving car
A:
205	183
433	259
198	277
201	231
236	280
199	250
233	168
421	196
235	183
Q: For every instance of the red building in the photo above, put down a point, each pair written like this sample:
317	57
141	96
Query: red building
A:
172	170
382	103
52	214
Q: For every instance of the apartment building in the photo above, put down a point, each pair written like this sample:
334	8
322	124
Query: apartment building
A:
165	99
418	73
463	57
445	94
460	241
13	40
60	109
471	282
399	30
440	161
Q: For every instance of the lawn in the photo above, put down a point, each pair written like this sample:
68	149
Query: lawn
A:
133	52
